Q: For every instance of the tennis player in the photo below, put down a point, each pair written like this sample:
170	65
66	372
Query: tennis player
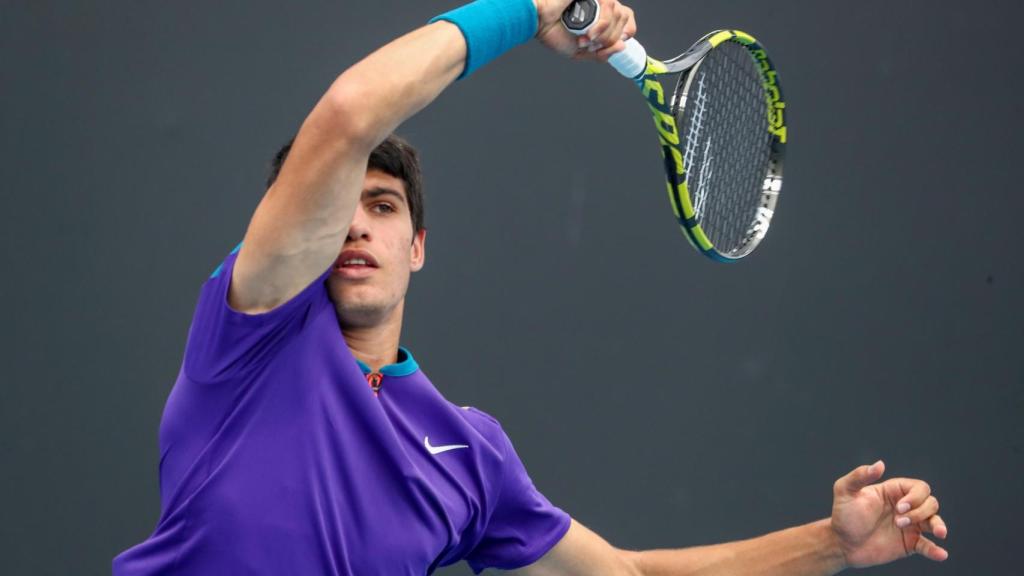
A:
301	439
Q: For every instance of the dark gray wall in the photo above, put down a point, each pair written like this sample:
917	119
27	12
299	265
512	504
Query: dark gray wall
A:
662	399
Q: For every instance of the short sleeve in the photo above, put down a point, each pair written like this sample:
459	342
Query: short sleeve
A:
523	525
224	343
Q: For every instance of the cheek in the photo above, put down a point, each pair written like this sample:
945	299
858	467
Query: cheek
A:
400	253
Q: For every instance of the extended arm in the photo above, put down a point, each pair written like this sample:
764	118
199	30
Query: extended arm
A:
808	550
804	550
870	524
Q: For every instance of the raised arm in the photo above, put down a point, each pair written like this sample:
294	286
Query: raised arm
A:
300	225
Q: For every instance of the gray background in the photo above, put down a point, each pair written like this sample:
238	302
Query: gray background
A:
662	399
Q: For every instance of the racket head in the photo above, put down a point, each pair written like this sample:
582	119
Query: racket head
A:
724	151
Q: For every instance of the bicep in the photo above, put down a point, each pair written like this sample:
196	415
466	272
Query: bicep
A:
581	552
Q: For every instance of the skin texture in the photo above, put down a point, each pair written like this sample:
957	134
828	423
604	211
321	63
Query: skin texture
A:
325	202
370	306
862	531
606	37
382	228
879	522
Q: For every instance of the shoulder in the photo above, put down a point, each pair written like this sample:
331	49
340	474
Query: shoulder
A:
482	421
471	420
485	425
226	343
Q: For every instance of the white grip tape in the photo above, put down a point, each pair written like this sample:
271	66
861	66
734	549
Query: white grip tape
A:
631	62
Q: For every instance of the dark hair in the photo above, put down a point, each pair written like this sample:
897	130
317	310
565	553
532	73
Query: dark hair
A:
393	156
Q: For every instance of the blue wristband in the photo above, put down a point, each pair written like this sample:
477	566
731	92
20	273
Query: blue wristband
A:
492	27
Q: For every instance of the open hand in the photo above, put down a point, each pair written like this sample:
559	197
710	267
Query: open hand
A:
879	523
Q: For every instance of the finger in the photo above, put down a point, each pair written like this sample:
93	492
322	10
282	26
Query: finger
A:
859	478
585	47
616	24
930	550
936	525
919	514
607	29
606	53
915	492
587	56
599	27
630	30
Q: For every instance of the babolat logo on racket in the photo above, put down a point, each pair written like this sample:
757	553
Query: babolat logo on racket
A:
776	107
581	15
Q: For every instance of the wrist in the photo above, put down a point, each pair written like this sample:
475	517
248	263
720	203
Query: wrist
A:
492	27
830	546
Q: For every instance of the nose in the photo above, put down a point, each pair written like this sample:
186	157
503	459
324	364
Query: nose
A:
359	229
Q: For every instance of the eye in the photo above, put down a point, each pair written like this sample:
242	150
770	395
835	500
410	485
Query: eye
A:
382	208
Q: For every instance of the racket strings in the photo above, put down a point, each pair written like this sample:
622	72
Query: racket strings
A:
727	147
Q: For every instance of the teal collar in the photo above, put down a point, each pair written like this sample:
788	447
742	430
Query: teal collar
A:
406	365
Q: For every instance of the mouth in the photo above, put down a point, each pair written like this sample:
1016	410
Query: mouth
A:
355	263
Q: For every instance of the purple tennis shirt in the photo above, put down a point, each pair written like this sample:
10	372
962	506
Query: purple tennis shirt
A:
282	454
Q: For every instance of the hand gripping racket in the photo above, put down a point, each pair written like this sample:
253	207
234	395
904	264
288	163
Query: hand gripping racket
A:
722	133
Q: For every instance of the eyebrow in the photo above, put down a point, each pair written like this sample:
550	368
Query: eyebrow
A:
381	191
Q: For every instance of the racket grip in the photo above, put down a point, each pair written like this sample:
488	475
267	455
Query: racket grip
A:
579	16
631	62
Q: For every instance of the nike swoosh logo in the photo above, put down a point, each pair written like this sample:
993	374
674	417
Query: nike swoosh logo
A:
435	450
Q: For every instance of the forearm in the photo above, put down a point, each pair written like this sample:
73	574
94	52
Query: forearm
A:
866	515
809	550
377	94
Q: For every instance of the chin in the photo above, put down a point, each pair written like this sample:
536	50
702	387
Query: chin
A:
359	317
359	310
362	305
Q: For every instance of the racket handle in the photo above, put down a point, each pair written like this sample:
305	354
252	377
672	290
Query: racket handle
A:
579	16
631	62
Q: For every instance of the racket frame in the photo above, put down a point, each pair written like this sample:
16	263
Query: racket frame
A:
665	114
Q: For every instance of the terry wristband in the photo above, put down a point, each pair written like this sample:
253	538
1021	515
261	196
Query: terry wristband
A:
491	28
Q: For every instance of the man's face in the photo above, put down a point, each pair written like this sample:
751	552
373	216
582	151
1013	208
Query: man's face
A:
371	275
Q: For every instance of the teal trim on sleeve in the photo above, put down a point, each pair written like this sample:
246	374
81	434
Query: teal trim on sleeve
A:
216	271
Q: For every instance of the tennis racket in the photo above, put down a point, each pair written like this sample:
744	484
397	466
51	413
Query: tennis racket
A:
722	133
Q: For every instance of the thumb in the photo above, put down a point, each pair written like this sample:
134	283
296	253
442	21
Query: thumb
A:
859	478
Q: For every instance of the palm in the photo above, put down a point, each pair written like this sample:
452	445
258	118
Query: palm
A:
866	527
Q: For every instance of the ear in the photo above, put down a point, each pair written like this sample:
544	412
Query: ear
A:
418	251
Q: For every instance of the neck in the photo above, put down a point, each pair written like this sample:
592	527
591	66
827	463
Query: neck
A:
375	345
